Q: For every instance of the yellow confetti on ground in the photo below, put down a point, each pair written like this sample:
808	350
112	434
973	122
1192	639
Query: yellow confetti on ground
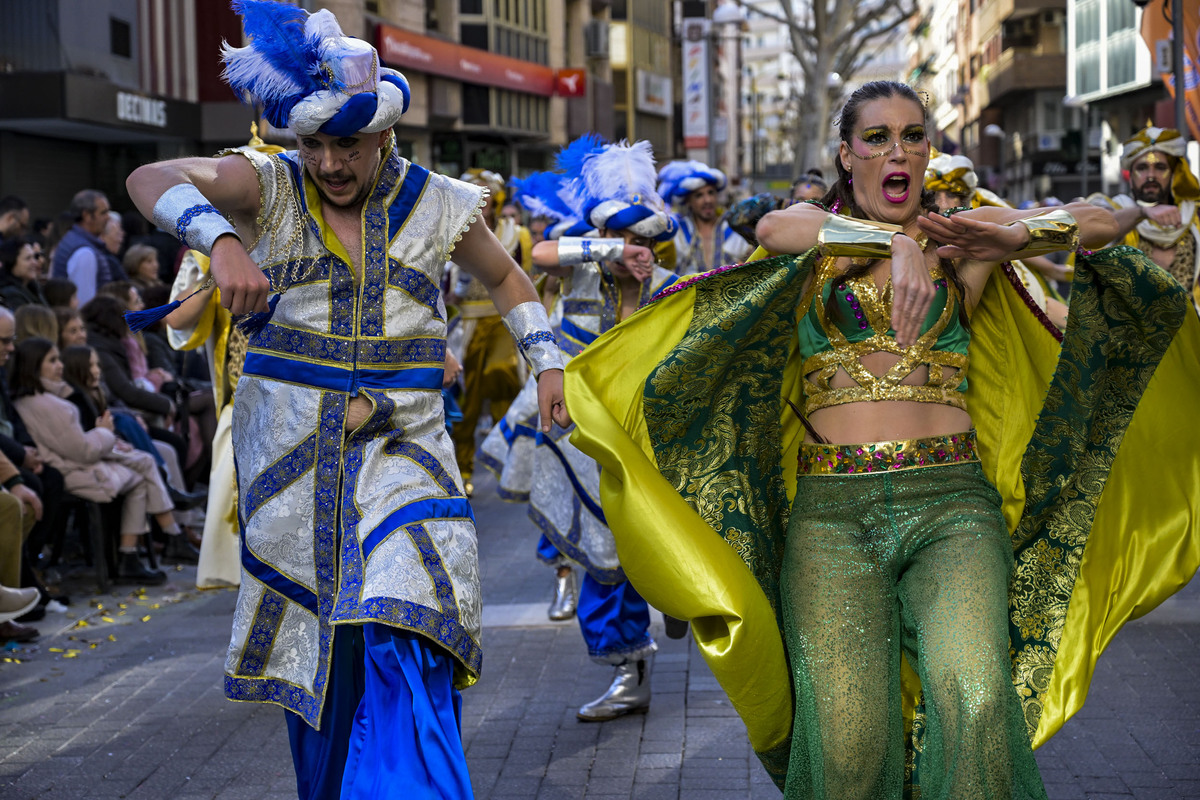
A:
83	623
93	645
56	650
108	619
146	618
71	654
112	638
155	605
12	661
122	605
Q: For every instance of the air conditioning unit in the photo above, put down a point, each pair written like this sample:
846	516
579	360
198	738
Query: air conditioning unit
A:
595	39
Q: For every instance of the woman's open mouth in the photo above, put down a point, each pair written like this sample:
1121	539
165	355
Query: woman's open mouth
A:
895	187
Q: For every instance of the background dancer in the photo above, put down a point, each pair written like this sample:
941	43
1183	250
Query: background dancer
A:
605	280
704	239
490	370
358	609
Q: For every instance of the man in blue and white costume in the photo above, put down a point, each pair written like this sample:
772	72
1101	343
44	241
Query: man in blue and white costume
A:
359	607
704	240
604	280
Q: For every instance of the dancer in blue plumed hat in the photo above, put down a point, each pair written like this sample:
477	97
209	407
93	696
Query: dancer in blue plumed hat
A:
359	605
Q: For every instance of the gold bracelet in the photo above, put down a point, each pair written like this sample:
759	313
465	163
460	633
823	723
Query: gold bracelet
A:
1050	232
857	238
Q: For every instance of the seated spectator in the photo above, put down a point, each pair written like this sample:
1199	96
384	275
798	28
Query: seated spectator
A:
60	292
114	246
82	255
81	370
94	465
71	331
141	265
165	367
21	263
35	320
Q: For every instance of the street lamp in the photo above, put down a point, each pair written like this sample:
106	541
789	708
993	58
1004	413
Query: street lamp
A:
1073	101
996	132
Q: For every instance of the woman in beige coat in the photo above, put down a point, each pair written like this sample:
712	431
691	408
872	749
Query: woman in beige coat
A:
95	464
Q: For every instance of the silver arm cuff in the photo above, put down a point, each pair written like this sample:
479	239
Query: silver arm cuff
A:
573	250
183	211
529	325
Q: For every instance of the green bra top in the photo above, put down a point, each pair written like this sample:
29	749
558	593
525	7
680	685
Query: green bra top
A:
864	326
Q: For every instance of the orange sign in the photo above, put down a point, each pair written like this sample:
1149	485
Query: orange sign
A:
405	49
570	82
1156	28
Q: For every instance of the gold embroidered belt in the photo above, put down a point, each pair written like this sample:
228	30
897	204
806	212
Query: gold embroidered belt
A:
854	459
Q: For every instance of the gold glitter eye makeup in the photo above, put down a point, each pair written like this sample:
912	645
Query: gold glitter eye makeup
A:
879	143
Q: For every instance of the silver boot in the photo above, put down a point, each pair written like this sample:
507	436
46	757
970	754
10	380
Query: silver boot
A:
629	693
566	597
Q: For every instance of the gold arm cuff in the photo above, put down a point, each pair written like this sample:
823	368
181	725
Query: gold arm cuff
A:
1050	232
856	238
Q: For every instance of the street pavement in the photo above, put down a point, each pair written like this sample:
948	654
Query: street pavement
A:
129	705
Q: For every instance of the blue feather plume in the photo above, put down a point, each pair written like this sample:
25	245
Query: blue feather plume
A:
570	159
280	65
539	195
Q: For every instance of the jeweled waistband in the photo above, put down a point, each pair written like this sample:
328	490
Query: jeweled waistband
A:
855	459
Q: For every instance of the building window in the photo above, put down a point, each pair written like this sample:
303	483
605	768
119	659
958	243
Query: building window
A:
120	37
477	106
473	35
470	6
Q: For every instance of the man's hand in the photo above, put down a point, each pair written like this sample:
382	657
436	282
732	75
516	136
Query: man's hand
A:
33	462
638	260
551	403
244	287
452	371
29	498
1163	215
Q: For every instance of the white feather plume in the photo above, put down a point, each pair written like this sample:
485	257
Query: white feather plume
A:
622	172
246	67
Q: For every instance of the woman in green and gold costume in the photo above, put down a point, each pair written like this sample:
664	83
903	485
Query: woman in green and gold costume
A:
904	598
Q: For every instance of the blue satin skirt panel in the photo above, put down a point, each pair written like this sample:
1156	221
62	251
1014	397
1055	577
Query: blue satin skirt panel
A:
391	727
615	621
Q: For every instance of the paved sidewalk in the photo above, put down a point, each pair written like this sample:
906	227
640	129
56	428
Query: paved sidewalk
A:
141	715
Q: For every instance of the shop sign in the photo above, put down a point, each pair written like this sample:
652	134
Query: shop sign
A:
141	110
401	48
696	91
653	93
571	82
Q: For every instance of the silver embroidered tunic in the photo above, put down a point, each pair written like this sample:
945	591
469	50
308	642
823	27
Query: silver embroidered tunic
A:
369	526
564	495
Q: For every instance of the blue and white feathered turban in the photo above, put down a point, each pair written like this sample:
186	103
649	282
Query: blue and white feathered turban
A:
309	76
611	186
540	193
678	179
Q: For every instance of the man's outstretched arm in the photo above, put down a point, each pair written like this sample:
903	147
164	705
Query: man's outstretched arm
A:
196	197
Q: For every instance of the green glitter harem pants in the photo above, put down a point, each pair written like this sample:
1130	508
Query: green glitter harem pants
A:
913	558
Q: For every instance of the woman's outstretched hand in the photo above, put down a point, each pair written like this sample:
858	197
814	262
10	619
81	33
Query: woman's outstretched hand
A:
912	289
963	236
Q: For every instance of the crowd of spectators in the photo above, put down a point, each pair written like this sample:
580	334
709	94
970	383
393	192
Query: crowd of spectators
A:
91	412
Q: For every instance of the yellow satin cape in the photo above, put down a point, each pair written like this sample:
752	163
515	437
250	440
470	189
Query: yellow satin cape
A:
1142	544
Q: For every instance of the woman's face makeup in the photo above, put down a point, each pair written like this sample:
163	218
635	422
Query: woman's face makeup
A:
886	156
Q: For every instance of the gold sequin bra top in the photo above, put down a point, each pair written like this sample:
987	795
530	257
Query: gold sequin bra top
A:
862	325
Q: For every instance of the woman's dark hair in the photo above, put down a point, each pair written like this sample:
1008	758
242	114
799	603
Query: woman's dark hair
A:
25	371
10	249
77	371
105	315
59	291
842	192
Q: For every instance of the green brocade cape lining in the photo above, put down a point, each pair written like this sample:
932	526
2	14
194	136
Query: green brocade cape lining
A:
713	421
